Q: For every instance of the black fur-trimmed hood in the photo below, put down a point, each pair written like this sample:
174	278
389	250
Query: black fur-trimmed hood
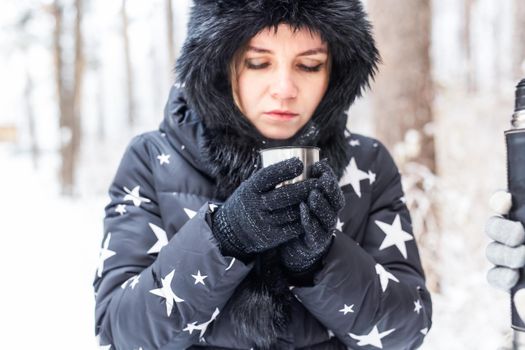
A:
218	28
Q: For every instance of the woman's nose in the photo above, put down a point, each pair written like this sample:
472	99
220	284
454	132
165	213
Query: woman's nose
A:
283	86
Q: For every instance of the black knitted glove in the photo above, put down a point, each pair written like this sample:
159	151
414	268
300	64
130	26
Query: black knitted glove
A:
258	216
301	256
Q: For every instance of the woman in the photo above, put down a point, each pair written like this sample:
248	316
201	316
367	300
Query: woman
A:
202	251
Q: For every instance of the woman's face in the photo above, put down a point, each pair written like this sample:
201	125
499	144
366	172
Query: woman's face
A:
282	77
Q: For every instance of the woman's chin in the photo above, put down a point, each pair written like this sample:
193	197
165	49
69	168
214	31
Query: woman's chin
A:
278	134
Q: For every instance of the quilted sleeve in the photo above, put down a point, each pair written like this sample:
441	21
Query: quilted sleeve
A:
372	295
151	292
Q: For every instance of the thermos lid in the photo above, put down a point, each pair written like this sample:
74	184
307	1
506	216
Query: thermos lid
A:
520	96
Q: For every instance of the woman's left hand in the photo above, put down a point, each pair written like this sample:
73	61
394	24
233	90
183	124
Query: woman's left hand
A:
301	255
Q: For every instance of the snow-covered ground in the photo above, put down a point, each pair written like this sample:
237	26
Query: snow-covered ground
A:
49	254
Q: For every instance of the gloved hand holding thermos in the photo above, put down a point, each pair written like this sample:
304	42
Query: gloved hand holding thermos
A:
508	252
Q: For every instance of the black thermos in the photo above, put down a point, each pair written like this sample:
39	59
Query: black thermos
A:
515	141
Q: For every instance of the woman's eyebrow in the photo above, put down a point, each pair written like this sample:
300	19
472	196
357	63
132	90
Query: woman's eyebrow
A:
306	53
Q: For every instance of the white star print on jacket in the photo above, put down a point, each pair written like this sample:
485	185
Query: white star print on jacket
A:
164	158
131	282
201	327
353	177
347	309
189	212
394	235
134	196
354	143
417	306
162	238
105	253
167	293
373	338
339	225
121	209
384	276
231	264
161	279
199	278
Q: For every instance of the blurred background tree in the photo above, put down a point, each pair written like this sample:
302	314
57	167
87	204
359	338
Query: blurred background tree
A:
402	99
22	45
129	81
69	74
519	40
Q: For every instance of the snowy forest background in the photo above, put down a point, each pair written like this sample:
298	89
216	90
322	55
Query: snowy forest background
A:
75	86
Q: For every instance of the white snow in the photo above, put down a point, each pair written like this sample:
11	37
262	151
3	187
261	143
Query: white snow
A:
49	257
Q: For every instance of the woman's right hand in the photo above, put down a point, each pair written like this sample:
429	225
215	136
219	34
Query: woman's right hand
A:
300	256
257	216
507	251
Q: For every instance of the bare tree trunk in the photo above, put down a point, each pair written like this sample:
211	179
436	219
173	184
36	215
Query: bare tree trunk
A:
65	135
498	47
78	83
170	36
403	92
57	56
158	87
101	130
467	46
69	96
129	69
402	99
23	44
28	97
519	40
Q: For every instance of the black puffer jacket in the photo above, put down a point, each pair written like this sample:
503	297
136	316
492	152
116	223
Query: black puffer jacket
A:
162	282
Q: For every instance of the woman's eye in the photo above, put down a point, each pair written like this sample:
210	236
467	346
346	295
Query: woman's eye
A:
311	68
251	65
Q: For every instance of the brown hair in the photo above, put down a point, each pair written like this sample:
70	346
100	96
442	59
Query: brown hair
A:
234	73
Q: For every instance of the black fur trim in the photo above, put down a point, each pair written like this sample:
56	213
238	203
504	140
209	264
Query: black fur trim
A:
260	307
217	28
231	158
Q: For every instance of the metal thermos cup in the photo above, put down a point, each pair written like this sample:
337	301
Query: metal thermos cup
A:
307	154
515	142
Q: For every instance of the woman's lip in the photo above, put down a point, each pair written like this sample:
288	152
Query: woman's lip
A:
280	111
284	115
280	116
